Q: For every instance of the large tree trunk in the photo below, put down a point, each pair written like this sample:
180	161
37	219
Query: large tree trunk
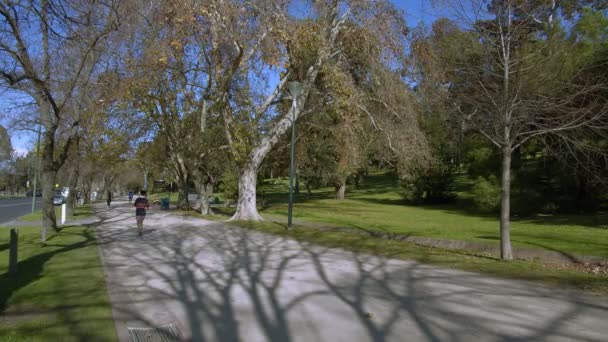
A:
107	186
49	221
506	252
246	208
182	195
182	176
72	184
205	191
341	190
87	191
48	171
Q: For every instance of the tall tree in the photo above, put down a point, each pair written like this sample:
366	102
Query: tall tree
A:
309	46
48	51
6	147
6	159
522	85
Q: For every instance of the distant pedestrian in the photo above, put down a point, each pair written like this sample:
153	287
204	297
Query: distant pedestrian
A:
141	204
130	196
109	198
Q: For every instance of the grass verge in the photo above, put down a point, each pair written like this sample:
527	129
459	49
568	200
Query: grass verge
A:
79	212
11	196
377	205
58	293
555	275
158	195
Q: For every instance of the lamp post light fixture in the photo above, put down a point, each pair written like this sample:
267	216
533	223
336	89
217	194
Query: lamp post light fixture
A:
295	89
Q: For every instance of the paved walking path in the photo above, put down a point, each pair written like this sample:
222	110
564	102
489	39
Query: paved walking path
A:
221	283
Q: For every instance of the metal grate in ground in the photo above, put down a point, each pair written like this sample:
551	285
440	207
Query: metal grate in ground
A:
166	333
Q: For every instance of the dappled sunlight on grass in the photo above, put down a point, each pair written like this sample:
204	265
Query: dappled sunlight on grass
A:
518	269
377	205
79	212
59	292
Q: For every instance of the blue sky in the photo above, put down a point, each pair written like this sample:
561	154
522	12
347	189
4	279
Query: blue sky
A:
421	10
416	11
20	140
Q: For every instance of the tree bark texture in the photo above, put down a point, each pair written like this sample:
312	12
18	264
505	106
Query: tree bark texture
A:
49	221
87	185
206	189
296	189
182	196
183	176
107	186
48	170
246	208
506	252
341	190
73	183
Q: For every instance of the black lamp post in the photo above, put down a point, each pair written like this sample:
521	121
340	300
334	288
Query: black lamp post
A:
295	88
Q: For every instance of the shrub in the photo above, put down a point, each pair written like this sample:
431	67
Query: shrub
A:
482	162
529	201
486	194
230	185
433	186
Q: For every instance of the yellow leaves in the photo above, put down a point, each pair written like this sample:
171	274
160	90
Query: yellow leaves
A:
337	82
176	45
305	42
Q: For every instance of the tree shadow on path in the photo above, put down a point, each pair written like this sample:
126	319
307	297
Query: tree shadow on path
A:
223	283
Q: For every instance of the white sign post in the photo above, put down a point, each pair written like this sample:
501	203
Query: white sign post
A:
63	210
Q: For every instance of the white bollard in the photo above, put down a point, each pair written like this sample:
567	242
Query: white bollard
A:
63	210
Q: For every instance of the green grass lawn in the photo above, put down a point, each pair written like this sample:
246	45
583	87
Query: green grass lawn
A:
11	196
377	205
553	275
79	212
533	270
59	292
158	195
549	274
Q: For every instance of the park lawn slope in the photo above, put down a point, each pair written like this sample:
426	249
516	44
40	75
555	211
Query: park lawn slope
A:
59	292
553	275
378	206
562	276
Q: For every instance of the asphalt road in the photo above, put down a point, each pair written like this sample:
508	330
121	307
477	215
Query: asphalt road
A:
10	209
